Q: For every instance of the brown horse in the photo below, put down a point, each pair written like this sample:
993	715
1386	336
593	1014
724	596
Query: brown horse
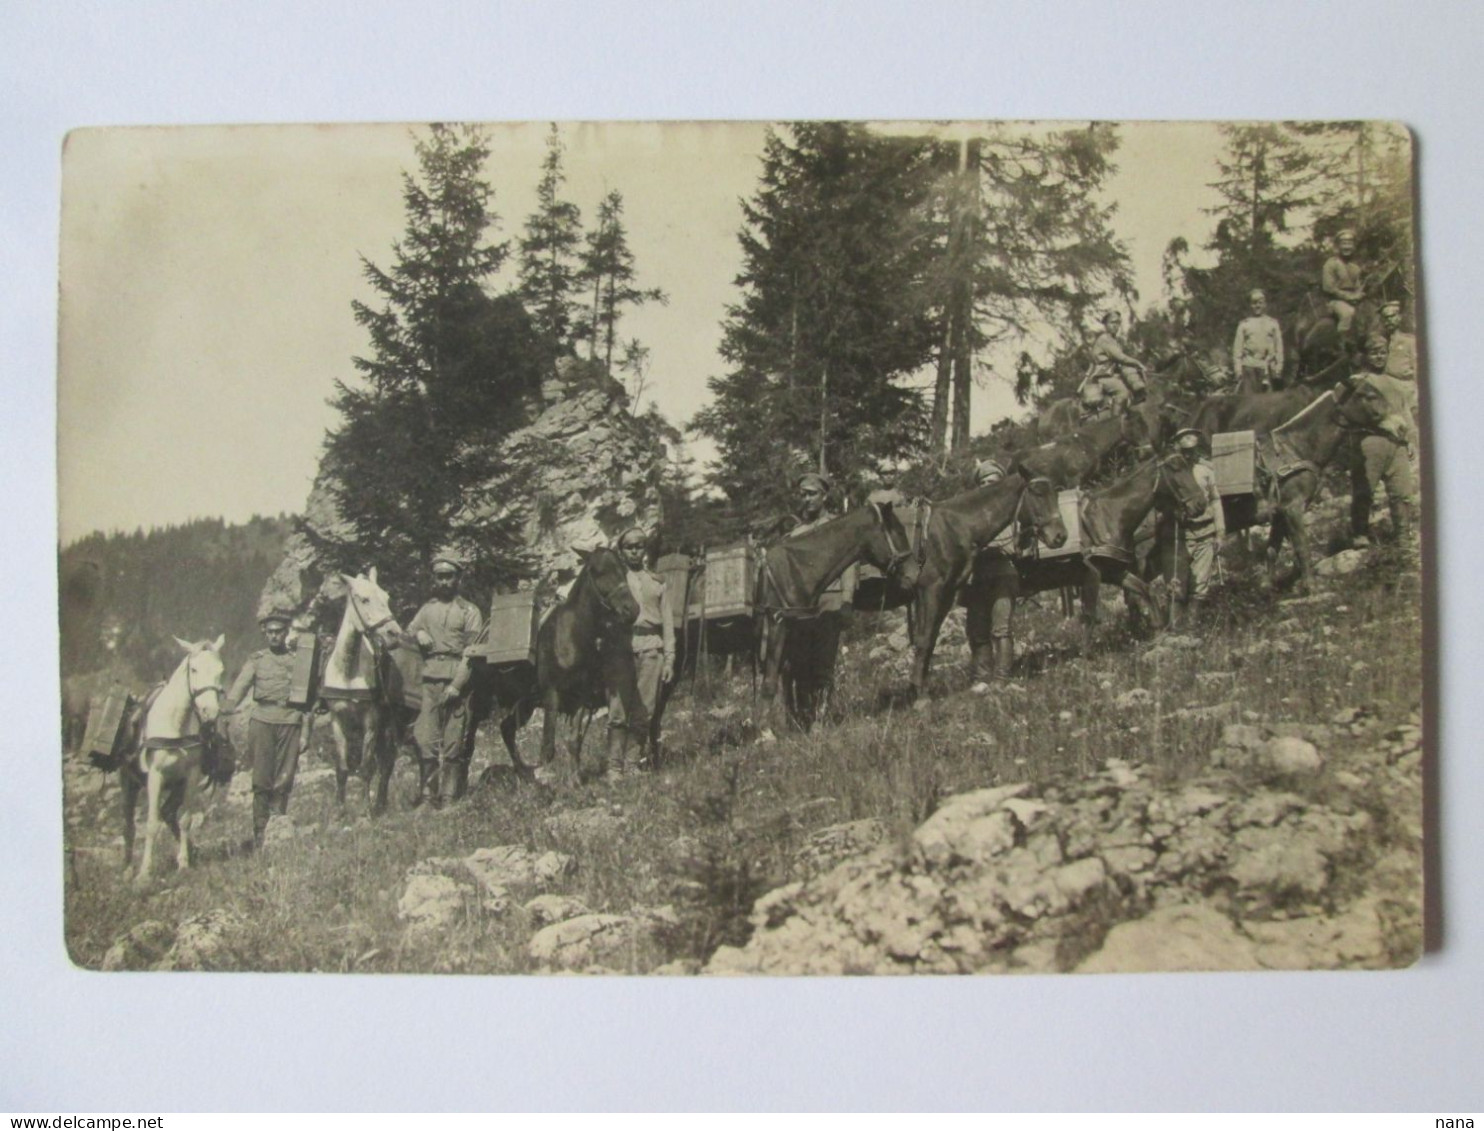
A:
794	574
955	531
1069	460
1109	518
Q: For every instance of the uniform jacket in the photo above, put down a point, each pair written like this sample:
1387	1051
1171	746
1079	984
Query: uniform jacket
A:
1258	344
654	627
1341	280
1205	478
268	675
452	625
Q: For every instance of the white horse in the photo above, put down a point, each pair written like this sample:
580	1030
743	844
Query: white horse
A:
355	688
171	745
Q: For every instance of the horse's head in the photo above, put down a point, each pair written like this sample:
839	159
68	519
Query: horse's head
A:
1042	510
1360	404
371	607
1176	489
608	575
203	676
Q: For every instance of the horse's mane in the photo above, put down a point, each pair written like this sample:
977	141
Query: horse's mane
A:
1298	418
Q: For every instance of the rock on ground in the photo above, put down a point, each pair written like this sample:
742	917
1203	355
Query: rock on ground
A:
1194	937
431	901
140	947
211	940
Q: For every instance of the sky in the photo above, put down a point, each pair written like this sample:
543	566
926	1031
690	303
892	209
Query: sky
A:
207	275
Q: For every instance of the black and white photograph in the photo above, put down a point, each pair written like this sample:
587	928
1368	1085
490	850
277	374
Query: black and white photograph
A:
817	547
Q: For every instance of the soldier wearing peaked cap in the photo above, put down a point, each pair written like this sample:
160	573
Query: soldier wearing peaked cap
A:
989	599
1342	283
812	647
274	741
634	677
1114	373
442	630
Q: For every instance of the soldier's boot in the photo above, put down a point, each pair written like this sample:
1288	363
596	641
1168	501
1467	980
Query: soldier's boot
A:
427	782
1360	519
262	810
1403	521
1179	608
981	665
616	757
455	781
281	802
1004	656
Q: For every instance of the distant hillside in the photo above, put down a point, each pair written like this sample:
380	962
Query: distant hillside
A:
123	596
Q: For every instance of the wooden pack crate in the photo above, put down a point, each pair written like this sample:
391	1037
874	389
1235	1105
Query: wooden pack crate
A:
678	570
1069	502
727	586
513	623
1234	459
304	686
107	721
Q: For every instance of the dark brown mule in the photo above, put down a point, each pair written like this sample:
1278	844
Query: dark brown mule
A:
1069	460
1291	458
572	644
794	574
1109	517
954	532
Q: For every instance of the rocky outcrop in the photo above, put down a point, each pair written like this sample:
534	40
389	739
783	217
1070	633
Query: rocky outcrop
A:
1265	868
580	473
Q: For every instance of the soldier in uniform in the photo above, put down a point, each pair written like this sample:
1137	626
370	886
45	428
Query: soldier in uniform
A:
633	677
990	596
274	740
442	630
1198	540
1114	373
1382	454
812	647
1401	351
1257	349
1341	282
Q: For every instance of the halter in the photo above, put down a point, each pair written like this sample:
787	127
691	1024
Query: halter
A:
606	600
196	692
367	630
1025	491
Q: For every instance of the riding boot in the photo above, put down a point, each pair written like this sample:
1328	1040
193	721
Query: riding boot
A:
1403	521
427	781
981	663
1360	519
1178	610
1004	656
262	810
617	753
454	781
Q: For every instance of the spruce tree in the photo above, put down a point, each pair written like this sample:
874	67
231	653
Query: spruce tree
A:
549	253
608	275
450	372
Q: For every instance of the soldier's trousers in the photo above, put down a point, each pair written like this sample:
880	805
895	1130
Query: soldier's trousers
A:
1197	555
441	727
633	693
809	655
989	610
274	749
1344	314
1255	379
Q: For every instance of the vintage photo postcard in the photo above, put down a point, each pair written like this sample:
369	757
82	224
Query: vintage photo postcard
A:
741	548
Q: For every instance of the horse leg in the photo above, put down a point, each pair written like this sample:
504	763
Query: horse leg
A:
186	798
1298	531
514	719
1361	500
1091	592
932	608
340	722
550	702
129	786
153	784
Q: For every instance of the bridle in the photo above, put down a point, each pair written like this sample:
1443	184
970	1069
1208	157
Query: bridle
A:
607	600
897	556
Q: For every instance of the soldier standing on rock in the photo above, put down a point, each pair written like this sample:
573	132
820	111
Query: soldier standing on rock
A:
273	730
994	586
1381	456
442	629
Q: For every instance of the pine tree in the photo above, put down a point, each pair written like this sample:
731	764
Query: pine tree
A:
1027	253
549	253
449	372
835	313
608	273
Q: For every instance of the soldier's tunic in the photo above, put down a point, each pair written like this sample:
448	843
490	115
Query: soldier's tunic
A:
1257	351
631	704
812	645
1114	373
1200	539
273	726
1401	364
1341	283
450	626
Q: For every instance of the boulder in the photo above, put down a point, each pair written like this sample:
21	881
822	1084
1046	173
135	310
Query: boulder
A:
547	909
1337	565
1288	755
140	947
971	826
431	902
1185	937
210	940
576	943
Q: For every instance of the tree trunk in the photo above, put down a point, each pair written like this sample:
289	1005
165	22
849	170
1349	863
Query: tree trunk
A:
961	320
941	392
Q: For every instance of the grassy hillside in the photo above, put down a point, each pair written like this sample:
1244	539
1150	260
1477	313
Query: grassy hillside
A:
686	851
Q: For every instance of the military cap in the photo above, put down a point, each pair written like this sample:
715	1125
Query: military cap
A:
988	470
1189	438
276	616
639	530
1108	316
451	560
821	481
1345	233
1393	307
